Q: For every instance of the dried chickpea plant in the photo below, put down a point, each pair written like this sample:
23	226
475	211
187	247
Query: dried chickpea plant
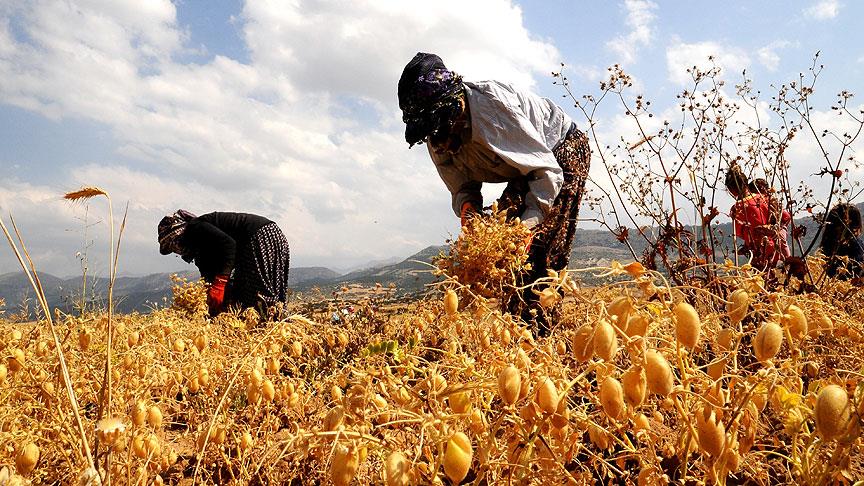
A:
487	256
662	185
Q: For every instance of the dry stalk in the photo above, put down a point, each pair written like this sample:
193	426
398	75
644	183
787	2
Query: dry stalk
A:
33	277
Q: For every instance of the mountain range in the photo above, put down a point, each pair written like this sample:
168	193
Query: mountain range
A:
410	275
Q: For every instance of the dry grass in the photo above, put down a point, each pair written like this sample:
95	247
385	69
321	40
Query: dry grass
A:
304	401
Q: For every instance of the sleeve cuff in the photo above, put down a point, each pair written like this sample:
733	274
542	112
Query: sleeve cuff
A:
459	199
531	218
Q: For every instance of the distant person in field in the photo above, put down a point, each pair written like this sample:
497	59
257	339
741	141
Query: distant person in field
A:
778	218
763	235
841	242
489	131
244	258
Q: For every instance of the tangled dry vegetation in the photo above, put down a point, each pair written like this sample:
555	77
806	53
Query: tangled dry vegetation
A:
640	383
488	255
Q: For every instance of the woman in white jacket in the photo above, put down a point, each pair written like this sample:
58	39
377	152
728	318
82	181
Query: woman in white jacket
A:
489	131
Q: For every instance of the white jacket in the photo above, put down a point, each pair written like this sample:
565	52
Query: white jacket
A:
512	134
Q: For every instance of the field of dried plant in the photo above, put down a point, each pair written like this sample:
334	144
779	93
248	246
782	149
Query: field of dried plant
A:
641	382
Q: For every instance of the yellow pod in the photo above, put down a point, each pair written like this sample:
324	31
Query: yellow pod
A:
509	384
658	373
605	341
635	385
344	465
451	302
687	324
833	412
767	342
457	457
612	398
28	456
738	305
547	396
397	469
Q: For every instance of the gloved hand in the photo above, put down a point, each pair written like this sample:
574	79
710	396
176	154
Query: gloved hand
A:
468	209
216	294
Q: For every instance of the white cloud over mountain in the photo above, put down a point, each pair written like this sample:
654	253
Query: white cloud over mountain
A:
304	129
307	132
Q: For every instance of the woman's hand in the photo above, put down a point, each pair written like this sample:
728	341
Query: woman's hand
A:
216	294
468	209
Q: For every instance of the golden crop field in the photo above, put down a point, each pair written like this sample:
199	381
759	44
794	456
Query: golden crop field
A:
640	383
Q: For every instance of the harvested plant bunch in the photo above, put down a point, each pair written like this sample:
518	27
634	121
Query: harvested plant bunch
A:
488	255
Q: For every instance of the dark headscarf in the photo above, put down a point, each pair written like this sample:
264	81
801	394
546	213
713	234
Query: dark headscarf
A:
429	96
736	181
171	230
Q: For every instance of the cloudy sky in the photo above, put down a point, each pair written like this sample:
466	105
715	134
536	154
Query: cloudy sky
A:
287	108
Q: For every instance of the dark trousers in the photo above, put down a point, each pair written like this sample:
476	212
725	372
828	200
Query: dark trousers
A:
553	238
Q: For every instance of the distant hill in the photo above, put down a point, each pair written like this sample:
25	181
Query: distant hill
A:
131	293
591	248
305	276
409	275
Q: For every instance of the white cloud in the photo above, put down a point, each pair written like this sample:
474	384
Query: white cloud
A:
360	48
768	56
51	228
640	19
806	157
307	133
681	56
823	10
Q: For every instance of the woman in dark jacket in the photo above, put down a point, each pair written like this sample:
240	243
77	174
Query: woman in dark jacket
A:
489	131
841	243
245	253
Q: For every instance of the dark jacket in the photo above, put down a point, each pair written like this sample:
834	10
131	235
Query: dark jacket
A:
214	239
854	267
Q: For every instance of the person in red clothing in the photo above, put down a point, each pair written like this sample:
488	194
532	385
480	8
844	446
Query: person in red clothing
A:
754	223
778	217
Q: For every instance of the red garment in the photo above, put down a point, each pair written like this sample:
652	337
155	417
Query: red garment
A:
752	217
782	235
216	294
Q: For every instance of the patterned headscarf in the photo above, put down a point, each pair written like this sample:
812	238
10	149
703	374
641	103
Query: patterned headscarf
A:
429	96
171	230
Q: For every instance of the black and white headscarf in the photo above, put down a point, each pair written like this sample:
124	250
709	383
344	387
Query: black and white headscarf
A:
429	96
171	230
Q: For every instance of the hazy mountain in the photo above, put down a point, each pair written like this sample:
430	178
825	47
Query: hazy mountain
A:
131	293
409	275
310	275
367	265
590	248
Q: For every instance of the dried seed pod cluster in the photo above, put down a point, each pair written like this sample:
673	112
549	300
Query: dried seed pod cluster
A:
489	252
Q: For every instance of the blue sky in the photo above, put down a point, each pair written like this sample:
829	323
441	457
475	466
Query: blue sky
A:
288	109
